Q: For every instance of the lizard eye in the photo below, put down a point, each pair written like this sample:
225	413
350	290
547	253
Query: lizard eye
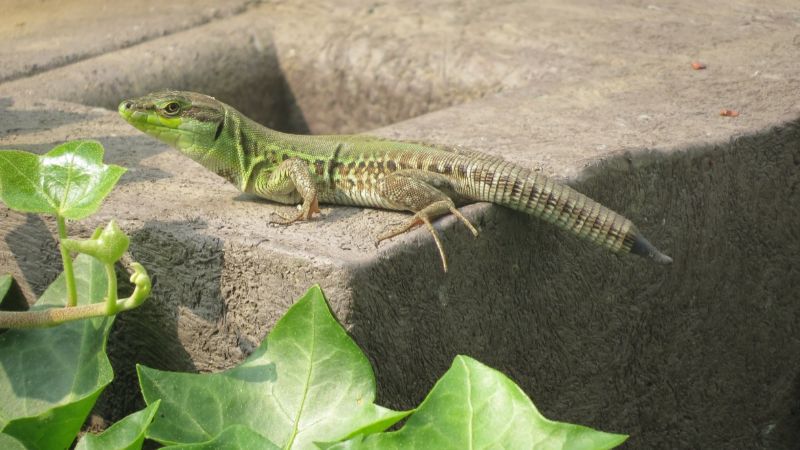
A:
172	108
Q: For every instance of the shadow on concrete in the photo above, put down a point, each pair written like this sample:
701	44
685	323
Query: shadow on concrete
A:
13	300
20	121
249	79
156	245
264	96
776	433
186	284
334	214
698	354
130	151
36	253
294	121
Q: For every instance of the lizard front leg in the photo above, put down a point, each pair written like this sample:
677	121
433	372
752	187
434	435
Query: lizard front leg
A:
291	177
414	190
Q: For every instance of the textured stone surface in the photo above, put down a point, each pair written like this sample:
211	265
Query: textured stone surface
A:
699	354
41	35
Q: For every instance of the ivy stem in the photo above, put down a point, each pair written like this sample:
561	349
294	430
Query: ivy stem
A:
55	316
111	297
69	274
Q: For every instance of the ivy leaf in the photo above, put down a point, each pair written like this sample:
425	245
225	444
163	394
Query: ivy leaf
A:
475	406
127	434
307	382
51	377
70	180
236	437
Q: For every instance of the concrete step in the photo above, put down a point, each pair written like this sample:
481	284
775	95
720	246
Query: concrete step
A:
600	96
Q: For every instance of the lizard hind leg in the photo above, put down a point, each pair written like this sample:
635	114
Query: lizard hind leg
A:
413	191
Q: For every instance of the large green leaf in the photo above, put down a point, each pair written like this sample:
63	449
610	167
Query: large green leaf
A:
127	434
236	437
475	406
69	180
307	382
51	377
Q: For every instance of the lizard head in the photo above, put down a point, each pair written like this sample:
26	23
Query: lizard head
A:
188	121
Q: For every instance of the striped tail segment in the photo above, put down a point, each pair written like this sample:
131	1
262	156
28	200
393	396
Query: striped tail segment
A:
521	189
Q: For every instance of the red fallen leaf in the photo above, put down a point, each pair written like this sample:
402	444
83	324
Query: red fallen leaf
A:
697	65
729	113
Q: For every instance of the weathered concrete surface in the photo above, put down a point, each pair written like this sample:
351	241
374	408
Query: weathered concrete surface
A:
41	35
363	65
241	69
701	354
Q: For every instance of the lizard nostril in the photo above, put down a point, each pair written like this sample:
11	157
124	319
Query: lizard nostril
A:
128	105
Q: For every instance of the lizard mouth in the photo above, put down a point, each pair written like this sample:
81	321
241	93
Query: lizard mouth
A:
151	122
146	118
136	114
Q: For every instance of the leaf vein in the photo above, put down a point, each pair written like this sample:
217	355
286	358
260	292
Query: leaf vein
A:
308	378
470	423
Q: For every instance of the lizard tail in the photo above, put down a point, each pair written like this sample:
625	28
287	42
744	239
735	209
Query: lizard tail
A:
521	189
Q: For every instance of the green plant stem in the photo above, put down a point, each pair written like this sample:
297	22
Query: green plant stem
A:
111	297
55	316
69	274
50	317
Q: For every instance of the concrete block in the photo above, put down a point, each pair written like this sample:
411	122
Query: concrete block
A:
698	354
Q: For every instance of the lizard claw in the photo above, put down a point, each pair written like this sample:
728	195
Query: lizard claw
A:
279	219
311	208
307	213
418	219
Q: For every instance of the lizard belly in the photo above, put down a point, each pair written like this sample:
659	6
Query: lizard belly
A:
355	194
291	198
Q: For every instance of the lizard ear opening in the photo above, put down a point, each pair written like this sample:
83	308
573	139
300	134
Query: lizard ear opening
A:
219	129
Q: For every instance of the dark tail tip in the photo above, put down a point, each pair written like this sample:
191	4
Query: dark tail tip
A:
643	247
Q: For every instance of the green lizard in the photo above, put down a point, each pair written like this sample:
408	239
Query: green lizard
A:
429	181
